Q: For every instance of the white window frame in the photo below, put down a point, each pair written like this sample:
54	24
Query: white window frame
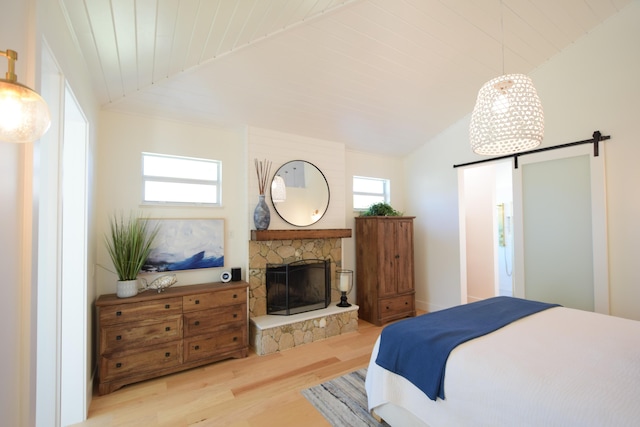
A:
217	182
386	194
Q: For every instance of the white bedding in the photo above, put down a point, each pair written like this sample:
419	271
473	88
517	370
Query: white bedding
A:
559	367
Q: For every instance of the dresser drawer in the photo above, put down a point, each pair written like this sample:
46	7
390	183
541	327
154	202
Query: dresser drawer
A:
127	363
204	346
207	321
133	312
216	299
140	334
390	307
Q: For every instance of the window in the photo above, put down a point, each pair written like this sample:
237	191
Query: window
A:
367	191
180	180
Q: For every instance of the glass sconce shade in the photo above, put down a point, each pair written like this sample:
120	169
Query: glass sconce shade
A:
24	116
345	285
507	117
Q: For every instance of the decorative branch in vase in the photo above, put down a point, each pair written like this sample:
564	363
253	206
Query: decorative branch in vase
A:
262	215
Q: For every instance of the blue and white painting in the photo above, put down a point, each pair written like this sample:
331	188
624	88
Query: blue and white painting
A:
186	244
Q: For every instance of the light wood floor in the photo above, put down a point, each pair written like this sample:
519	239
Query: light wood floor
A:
256	391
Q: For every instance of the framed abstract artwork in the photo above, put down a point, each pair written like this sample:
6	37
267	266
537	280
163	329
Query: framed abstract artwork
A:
186	244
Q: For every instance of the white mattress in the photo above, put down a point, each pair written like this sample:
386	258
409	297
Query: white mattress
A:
559	367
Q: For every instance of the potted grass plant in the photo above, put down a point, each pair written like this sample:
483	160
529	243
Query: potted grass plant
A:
129	244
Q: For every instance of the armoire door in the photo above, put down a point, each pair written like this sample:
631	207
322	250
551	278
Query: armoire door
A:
404	256
387	247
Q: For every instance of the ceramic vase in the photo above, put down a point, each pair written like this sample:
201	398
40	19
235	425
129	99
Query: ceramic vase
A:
127	288
261	216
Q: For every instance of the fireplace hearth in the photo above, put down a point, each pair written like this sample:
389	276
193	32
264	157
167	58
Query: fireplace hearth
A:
298	286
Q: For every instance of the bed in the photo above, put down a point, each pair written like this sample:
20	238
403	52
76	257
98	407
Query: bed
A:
555	367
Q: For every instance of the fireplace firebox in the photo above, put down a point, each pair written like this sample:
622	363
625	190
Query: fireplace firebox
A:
298	286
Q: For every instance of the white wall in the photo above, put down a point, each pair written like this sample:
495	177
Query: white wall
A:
11	302
479	199
14	387
123	138
592	85
280	148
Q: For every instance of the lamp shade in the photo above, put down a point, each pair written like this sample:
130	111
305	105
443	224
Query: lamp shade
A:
24	116
507	117
278	190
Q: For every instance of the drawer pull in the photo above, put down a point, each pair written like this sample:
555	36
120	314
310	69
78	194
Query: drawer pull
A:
167	329
118	313
167	306
118	365
235	338
197	323
406	303
235	315
167	354
197	301
196	347
235	295
118	338
387	307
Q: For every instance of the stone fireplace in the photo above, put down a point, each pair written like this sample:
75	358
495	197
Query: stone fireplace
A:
269	333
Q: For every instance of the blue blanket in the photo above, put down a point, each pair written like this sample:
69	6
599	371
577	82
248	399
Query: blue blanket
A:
417	348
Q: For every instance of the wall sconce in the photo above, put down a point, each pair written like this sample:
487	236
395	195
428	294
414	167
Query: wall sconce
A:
24	116
278	190
345	281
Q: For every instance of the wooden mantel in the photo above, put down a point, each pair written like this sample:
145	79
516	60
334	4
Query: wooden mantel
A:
334	233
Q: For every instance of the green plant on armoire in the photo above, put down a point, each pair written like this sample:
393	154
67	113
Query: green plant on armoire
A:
381	209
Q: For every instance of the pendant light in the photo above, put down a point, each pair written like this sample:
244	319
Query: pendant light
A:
278	190
508	116
24	116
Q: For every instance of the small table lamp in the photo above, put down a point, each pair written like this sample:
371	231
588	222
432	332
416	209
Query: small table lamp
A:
345	281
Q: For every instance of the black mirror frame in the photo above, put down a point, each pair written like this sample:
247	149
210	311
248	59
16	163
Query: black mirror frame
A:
328	194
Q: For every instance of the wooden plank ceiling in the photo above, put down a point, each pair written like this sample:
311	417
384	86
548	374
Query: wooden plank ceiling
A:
380	76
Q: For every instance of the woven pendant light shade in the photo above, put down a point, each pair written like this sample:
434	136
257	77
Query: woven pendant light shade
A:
278	190
508	116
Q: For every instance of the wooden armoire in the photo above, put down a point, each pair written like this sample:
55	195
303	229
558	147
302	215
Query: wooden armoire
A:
384	268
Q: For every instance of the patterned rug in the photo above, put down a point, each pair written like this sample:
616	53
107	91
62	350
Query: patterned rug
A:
343	401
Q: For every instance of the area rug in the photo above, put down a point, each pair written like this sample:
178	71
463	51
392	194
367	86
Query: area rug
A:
343	401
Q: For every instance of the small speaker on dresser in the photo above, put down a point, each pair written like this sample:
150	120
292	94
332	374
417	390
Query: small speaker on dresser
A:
236	274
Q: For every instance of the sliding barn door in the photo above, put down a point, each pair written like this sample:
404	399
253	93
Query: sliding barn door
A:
560	228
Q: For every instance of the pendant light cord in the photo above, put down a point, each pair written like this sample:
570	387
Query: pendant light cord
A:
502	33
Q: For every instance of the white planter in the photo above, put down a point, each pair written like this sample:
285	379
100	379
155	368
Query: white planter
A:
127	288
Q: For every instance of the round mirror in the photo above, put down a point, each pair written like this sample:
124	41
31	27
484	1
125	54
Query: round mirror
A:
305	196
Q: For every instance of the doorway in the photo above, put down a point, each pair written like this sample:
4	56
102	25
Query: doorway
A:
75	372
486	214
63	383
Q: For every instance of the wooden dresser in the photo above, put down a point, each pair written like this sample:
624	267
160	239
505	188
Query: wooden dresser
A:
385	287
154	334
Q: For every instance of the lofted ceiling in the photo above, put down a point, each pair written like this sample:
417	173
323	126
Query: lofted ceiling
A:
381	76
